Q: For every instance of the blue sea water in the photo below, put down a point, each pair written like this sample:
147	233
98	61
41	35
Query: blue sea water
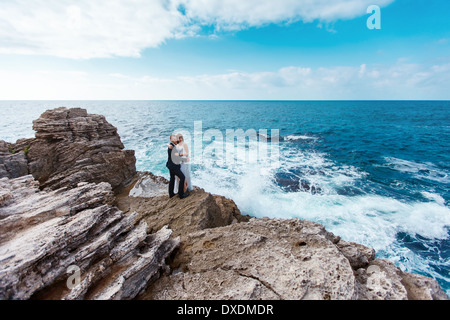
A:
373	172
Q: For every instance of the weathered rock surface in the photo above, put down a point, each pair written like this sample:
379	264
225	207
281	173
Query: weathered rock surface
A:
72	146
280	259
13	161
283	259
43	233
201	210
382	280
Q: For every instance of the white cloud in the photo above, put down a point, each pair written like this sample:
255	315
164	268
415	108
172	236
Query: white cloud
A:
103	28
86	29
236	14
397	81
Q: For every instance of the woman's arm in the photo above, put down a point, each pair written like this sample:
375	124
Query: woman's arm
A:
171	147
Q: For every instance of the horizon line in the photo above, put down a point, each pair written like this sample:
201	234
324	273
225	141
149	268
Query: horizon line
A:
225	100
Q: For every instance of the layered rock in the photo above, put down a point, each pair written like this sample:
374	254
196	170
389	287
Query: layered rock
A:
72	146
283	259
13	161
43	233
201	210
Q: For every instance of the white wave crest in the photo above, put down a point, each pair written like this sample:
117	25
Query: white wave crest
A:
299	137
428	171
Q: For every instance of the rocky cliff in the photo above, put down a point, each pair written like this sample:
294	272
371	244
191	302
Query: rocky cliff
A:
71	199
44	233
225	255
71	146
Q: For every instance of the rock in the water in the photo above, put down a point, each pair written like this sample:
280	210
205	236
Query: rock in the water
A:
72	146
43	233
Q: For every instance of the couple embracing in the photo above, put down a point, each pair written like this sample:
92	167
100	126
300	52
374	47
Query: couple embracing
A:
179	167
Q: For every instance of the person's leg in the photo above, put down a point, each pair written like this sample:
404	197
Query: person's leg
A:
180	175
171	183
184	169
176	185
181	185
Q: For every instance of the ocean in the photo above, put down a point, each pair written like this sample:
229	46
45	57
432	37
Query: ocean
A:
372	172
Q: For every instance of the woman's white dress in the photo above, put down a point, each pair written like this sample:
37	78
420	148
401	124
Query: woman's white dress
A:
185	168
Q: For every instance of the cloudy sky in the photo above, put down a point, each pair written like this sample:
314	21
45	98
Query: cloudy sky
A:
223	49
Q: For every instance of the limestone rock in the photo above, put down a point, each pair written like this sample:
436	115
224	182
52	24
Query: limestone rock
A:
72	146
201	210
422	288
43	233
382	280
283	259
13	162
270	258
210	285
358	255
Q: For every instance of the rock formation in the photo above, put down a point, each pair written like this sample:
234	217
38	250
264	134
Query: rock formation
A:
223	255
71	201
202	210
43	233
71	146
13	161
283	259
78	147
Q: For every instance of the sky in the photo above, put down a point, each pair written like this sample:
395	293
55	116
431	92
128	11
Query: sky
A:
224	50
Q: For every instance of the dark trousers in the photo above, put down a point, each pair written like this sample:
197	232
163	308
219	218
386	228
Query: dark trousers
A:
175	171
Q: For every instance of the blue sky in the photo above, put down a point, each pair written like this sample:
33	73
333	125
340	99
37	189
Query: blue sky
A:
197	49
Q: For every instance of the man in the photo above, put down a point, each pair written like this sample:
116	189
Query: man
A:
175	169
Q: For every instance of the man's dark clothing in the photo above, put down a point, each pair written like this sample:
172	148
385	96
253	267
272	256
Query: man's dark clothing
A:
175	171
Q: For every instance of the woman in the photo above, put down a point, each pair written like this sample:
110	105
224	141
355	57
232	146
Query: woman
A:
183	150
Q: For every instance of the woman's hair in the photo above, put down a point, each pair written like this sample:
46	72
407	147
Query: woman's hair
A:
180	136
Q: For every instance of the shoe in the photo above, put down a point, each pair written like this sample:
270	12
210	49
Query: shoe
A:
184	195
171	196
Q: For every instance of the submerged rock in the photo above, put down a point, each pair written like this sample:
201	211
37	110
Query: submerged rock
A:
292	183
